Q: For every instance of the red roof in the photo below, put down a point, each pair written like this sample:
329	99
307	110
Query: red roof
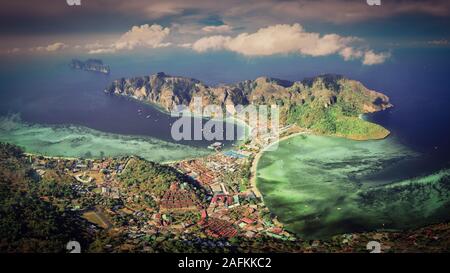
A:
247	220
204	214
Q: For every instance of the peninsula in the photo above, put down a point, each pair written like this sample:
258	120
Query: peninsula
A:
326	104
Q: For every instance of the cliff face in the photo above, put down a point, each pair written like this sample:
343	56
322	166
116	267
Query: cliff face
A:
326	104
325	90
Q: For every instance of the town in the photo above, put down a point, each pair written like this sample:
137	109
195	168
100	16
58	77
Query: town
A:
206	201
205	204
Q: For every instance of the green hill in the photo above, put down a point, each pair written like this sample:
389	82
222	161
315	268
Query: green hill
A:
327	104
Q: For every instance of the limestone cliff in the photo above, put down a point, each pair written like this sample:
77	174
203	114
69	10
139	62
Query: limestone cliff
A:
319	103
168	91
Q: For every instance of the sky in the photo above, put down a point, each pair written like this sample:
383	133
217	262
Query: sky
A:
352	30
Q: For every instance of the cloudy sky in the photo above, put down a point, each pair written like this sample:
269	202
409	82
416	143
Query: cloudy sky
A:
350	29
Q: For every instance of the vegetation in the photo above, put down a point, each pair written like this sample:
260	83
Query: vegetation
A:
319	103
149	177
56	184
239	180
27	222
148	181
190	217
340	119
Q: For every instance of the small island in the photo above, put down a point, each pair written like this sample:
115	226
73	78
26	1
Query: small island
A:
95	65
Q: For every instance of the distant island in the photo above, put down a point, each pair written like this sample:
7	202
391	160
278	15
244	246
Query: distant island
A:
95	65
327	104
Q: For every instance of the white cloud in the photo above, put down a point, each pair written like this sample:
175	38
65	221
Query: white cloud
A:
101	51
185	45
350	53
217	29
277	39
50	48
13	50
371	58
163	45
144	36
284	39
441	42
56	46
95	45
217	42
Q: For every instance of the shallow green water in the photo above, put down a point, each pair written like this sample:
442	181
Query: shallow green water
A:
77	141
322	186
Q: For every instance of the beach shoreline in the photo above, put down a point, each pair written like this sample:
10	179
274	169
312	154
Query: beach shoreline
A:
254	167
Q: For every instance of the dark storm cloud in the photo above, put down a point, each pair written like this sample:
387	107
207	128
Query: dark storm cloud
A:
55	16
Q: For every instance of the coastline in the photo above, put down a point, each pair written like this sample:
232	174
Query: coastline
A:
55	157
247	131
254	167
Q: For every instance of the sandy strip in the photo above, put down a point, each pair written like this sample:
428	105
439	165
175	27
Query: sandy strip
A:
253	169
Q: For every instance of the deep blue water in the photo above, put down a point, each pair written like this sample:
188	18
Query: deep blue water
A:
418	84
44	90
49	92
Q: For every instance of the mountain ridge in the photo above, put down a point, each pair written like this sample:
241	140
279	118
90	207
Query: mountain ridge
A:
327	103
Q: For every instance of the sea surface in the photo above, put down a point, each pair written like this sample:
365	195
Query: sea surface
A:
48	108
323	186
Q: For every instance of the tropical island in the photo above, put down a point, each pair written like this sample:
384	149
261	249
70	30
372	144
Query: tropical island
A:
94	65
326	104
205	204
